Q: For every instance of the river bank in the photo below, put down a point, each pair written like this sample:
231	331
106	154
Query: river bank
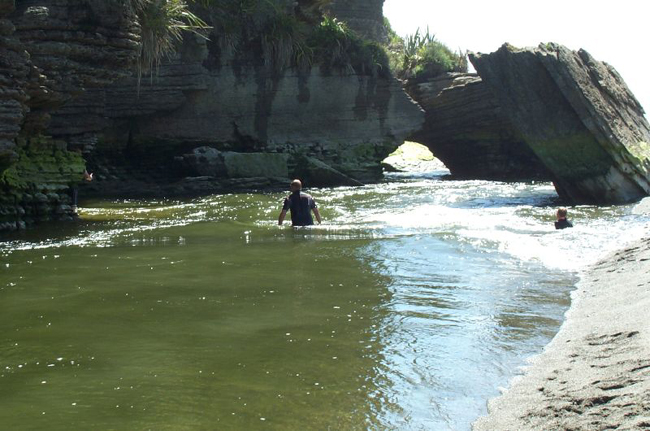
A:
595	374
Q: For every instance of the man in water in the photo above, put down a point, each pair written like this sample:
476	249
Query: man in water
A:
301	205
75	190
562	221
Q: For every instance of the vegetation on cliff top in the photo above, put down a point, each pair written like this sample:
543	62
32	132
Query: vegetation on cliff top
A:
421	56
162	24
334	45
288	34
279	34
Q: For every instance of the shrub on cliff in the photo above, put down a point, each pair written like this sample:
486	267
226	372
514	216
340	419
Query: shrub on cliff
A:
254	30
277	34
421	56
162	24
435	58
335	46
285	34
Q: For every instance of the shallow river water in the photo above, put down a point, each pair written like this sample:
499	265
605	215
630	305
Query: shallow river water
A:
407	309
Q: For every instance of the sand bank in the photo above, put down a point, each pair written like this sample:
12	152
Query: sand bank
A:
595	374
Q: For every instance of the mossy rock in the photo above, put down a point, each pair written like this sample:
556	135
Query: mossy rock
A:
246	165
43	169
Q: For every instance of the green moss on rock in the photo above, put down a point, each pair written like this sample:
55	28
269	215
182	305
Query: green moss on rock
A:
36	187
574	157
43	169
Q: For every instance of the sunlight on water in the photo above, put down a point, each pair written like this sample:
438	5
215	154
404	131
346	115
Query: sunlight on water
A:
407	309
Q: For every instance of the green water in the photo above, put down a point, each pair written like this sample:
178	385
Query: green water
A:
403	311
181	337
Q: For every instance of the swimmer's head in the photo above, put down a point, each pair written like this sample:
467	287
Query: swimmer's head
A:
295	186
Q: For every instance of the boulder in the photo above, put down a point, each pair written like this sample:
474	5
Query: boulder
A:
247	165
411	156
466	129
206	161
316	173
642	208
578	117
203	162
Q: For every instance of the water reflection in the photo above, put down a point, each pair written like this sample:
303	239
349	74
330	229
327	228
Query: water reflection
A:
457	320
152	332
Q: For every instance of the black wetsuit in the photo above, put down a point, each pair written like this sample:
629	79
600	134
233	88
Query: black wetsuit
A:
301	204
563	223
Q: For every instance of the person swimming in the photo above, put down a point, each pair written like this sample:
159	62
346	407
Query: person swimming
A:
562	222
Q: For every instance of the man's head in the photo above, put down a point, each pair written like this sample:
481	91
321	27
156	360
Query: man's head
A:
561	213
295	186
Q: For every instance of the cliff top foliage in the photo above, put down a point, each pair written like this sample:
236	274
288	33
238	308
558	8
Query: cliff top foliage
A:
421	56
333	45
162	24
292	34
281	33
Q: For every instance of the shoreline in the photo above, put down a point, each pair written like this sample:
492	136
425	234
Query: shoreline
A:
595	373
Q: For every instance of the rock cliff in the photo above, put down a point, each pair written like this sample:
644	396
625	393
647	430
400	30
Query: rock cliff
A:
578	117
16	72
342	121
50	53
348	121
69	95
76	45
466	129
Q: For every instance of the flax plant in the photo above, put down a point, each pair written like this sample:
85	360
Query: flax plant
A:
162	24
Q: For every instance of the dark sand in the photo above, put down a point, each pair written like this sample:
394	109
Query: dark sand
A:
595	373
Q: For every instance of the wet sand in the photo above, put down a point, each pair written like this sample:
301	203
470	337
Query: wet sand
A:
595	374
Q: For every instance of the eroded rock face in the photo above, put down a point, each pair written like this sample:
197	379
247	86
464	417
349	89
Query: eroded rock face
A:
51	51
14	75
21	86
578	117
466	129
206	96
348	121
78	45
59	58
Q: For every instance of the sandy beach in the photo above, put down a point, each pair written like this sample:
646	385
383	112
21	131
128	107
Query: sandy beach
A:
595	374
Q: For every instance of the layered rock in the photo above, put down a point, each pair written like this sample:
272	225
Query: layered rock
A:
345	120
14	74
38	186
578	117
21	84
78	45
466	129
58	59
51	51
210	162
